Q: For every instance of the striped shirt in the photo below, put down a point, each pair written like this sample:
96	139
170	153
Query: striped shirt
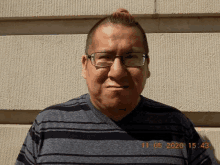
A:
75	132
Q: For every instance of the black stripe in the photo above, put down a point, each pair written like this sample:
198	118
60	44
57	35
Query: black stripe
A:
78	107
108	130
22	152
114	156
129	131
34	137
71	122
110	136
30	153
98	130
107	163
35	121
22	159
34	131
129	125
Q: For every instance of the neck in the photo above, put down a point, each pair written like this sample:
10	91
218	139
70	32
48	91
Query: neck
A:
117	114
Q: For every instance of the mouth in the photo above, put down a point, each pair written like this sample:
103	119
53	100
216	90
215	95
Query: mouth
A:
118	87
125	86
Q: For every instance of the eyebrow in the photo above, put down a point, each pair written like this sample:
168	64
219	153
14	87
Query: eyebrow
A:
104	51
137	49
132	50
112	53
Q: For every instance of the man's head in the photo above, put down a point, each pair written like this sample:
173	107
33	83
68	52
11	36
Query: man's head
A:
116	87
121	16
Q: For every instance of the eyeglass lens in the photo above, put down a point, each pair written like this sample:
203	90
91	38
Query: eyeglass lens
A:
129	59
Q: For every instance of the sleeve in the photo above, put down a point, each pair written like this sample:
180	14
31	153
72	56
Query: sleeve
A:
30	148
199	150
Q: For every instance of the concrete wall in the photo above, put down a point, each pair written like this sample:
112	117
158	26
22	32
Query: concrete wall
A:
41	44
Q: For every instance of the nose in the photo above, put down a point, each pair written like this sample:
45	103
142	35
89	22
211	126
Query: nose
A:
118	70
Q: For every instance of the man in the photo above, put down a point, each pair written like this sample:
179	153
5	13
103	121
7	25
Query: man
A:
114	123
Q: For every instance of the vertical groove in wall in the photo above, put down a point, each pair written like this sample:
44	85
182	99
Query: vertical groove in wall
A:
155	6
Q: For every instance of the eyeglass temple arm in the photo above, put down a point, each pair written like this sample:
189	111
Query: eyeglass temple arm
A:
89	56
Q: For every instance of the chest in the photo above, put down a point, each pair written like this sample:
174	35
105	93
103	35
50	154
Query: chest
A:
77	147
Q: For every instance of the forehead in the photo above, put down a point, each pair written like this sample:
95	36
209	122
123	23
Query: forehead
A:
117	30
109	35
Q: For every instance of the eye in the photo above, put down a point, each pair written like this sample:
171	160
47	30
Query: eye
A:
131	56
104	56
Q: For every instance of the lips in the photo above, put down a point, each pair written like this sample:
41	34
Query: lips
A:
118	86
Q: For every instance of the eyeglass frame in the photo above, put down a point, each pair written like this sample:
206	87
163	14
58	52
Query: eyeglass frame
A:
93	55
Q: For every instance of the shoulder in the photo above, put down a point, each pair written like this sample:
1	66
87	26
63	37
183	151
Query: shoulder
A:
76	102
155	105
167	113
74	107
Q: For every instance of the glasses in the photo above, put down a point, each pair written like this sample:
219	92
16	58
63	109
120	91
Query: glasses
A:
106	59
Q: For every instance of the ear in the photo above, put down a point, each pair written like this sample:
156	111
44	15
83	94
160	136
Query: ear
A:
148	60
148	73
84	66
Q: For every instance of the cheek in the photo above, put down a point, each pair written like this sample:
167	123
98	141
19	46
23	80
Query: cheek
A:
137	77
96	77
140	79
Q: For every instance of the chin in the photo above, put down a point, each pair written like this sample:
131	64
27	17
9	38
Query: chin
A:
117	102
123	97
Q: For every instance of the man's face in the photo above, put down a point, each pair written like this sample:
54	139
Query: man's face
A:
107	85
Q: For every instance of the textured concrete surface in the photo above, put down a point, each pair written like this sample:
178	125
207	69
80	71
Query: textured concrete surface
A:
90	8
38	71
22	9
187	6
30	8
185	70
13	136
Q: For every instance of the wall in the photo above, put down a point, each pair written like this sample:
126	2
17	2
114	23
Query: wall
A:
41	43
